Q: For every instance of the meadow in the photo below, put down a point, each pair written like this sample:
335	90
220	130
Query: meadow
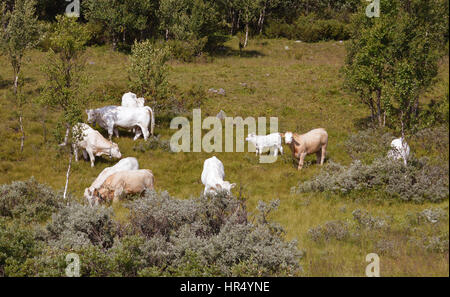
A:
301	84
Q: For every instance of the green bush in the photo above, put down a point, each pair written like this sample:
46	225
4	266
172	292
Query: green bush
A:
419	181
309	29
28	200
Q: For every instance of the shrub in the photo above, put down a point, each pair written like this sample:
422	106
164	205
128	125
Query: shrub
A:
28	200
212	230
187	51
79	225
366	144
148	70
419	181
17	244
309	29
330	230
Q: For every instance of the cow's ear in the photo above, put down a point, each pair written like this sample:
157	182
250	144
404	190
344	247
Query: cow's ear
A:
219	187
232	185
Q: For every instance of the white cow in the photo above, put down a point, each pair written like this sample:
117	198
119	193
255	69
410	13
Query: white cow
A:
400	150
130	100
92	143
262	142
111	117
213	177
129	163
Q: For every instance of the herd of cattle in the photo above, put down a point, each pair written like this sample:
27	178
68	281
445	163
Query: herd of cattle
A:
126	178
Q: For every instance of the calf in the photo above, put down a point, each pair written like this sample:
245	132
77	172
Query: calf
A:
111	117
400	150
92	143
262	142
213	177
124	183
315	141
129	163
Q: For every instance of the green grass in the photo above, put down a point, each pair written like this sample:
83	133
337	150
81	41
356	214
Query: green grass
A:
302	86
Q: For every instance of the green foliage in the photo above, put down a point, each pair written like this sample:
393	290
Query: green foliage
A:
28	201
64	70
19	31
148	70
309	29
17	244
419	181
392	59
124	20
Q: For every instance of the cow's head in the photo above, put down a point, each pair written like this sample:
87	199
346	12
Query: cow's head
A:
114	151
91	116
89	196
250	136
288	137
225	186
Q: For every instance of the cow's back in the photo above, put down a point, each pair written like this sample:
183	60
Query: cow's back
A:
314	139
129	163
212	168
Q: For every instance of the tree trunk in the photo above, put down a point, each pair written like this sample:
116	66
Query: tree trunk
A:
261	18
246	35
68	174
379	109
22	138
233	19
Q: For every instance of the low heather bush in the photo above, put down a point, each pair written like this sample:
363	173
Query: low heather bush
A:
80	225
28	200
330	230
419	181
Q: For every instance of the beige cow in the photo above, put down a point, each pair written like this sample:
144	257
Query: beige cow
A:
315	141
124	183
92	143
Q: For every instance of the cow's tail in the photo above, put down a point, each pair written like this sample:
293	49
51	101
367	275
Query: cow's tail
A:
152	116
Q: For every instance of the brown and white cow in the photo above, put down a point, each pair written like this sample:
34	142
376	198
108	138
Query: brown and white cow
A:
124	183
92	143
315	141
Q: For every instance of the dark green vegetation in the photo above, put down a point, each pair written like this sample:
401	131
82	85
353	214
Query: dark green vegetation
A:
346	212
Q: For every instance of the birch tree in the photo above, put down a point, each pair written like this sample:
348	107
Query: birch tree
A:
19	32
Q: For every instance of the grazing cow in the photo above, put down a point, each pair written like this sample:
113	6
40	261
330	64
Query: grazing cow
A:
129	163
262	142
130	100
213	177
124	183
315	141
92	143
111	117
400	150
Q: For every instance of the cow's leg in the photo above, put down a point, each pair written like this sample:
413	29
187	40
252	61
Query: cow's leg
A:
85	155
75	152
324	152
91	157
116	132
110	132
138	133
301	161
281	149
318	155
144	131
275	151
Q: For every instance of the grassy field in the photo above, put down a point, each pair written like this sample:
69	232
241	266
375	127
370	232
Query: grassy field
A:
301	85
